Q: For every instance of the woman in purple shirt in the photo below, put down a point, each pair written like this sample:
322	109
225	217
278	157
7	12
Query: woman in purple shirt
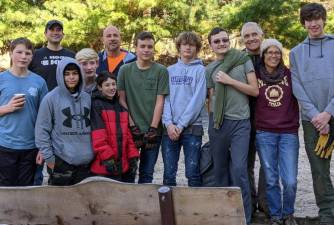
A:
277	122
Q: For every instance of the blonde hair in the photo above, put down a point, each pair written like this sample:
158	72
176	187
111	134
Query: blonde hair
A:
86	54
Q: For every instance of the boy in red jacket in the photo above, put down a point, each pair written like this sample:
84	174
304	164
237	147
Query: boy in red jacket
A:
116	155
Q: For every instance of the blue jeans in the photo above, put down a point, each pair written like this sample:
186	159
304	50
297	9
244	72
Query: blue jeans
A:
171	153
279	159
148	159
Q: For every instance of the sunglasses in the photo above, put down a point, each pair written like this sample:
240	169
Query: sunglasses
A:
223	40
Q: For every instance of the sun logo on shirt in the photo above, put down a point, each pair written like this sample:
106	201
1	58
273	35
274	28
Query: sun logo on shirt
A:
274	94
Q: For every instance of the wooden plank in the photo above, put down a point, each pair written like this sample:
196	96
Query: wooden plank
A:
101	201
197	206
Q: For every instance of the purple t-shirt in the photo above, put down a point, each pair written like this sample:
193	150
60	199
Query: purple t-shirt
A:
276	108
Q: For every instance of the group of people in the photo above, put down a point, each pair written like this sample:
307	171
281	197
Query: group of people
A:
91	113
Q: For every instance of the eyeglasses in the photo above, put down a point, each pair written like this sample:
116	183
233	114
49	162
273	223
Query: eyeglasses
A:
223	40
273	53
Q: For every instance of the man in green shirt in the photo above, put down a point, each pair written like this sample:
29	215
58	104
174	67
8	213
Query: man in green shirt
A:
142	87
230	80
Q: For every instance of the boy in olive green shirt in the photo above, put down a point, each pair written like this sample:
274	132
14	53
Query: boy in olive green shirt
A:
142	87
230	80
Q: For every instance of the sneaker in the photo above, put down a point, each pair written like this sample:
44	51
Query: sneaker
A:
290	220
274	221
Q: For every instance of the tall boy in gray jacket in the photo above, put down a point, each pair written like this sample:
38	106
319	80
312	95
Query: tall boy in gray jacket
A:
183	111
312	68
63	127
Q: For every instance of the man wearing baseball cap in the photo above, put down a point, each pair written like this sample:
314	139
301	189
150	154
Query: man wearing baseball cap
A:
45	59
44	63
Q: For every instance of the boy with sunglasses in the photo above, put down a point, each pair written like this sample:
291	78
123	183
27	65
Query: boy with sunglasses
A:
230	80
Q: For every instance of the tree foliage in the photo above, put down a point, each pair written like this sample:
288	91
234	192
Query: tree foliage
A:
84	19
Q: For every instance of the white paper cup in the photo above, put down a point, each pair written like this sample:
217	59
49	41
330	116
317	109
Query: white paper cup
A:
19	95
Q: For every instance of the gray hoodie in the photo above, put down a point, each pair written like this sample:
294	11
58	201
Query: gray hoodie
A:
312	70
63	122
184	105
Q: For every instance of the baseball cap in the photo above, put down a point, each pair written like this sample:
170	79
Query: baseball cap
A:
53	22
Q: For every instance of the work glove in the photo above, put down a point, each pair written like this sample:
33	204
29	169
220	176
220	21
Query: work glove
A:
150	138
325	146
111	166
137	136
133	165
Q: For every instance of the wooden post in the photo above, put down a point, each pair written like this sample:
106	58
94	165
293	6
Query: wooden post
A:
166	206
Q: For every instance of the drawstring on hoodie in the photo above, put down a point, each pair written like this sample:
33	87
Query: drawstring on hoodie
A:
309	48
321	48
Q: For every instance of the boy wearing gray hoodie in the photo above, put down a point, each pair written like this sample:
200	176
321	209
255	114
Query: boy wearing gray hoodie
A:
63	127
183	111
312	71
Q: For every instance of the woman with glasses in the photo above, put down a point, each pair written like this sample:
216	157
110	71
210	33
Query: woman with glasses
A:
277	122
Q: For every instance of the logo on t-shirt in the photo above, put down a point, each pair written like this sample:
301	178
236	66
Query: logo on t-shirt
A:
33	91
52	60
181	80
76	119
274	94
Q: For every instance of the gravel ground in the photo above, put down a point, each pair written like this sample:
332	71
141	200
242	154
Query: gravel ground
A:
305	201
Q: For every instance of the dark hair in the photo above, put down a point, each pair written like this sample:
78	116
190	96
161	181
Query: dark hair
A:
312	11
215	31
103	76
142	36
188	37
72	66
21	41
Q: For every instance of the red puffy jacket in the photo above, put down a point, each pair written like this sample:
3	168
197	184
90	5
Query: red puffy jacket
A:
104	134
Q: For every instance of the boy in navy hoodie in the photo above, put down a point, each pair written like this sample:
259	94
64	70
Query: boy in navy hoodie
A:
63	127
183	111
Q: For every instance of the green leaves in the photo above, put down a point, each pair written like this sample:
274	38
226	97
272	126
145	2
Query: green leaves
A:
84	19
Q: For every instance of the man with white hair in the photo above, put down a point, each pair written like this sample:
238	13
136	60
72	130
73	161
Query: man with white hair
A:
252	36
113	56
